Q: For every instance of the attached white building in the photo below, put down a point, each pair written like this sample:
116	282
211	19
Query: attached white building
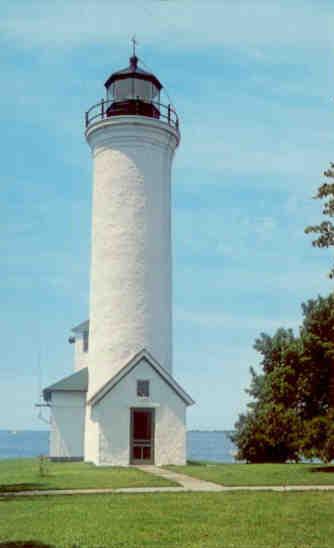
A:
122	404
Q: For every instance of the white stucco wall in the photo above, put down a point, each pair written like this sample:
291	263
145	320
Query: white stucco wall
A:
91	441
67	424
131	269
112	414
80	357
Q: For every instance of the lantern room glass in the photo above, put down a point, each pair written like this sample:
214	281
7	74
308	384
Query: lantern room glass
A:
126	89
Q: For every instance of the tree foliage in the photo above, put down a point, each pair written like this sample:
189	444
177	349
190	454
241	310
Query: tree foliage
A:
325	230
291	412
318	439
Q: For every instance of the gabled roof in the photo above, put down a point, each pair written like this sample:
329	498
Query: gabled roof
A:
83	326
142	355
77	382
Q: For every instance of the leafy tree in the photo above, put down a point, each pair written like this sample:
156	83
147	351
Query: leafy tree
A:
317	338
325	230
280	363
271	429
292	408
270	433
318	439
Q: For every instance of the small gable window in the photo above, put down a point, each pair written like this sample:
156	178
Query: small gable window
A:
143	389
85	341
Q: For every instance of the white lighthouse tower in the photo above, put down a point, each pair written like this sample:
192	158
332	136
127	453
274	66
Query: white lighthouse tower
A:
133	140
133	411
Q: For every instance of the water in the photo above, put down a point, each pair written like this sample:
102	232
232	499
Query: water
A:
201	445
23	443
213	445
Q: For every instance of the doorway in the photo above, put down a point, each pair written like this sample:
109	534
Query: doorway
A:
142	436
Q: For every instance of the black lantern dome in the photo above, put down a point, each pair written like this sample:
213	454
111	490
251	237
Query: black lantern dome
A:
133	91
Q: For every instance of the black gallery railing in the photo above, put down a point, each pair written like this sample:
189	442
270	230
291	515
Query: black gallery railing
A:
137	107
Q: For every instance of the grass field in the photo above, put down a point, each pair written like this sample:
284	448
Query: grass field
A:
23	474
166	520
261	474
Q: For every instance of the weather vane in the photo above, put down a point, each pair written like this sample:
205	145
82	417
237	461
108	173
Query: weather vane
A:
134	44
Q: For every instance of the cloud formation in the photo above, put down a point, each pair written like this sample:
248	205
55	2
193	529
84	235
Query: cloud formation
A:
170	25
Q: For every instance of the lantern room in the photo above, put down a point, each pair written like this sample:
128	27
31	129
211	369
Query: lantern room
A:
133	91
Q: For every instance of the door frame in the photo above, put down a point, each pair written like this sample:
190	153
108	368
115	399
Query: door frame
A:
150	410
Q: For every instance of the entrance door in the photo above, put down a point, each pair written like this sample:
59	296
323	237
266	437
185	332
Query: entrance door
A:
142	436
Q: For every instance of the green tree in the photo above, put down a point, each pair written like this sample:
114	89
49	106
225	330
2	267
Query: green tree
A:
270	430
292	400
269	433
318	439
325	230
316	385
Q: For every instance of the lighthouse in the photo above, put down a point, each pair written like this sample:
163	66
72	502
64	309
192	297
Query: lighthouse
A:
129	409
132	137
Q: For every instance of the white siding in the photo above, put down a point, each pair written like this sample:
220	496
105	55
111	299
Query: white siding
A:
67	424
112	414
80	357
91	437
131	268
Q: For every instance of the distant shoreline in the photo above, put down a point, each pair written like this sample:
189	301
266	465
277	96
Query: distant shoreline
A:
18	430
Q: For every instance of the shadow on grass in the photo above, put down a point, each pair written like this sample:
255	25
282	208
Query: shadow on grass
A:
25	544
13	487
326	469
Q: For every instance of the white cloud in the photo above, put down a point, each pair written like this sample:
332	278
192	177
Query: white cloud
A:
208	232
169	25
293	280
239	133
210	320
277	140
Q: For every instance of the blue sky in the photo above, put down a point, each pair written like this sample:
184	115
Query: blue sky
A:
253	84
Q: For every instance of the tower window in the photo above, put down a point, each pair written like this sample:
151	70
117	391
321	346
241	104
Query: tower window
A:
143	389
85	341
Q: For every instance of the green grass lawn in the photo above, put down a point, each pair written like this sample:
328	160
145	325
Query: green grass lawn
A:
168	520
260	474
23	474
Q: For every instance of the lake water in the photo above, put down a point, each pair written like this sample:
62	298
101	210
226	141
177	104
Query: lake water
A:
213	446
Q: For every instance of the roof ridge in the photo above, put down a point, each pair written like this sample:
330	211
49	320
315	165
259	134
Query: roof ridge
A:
129	366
